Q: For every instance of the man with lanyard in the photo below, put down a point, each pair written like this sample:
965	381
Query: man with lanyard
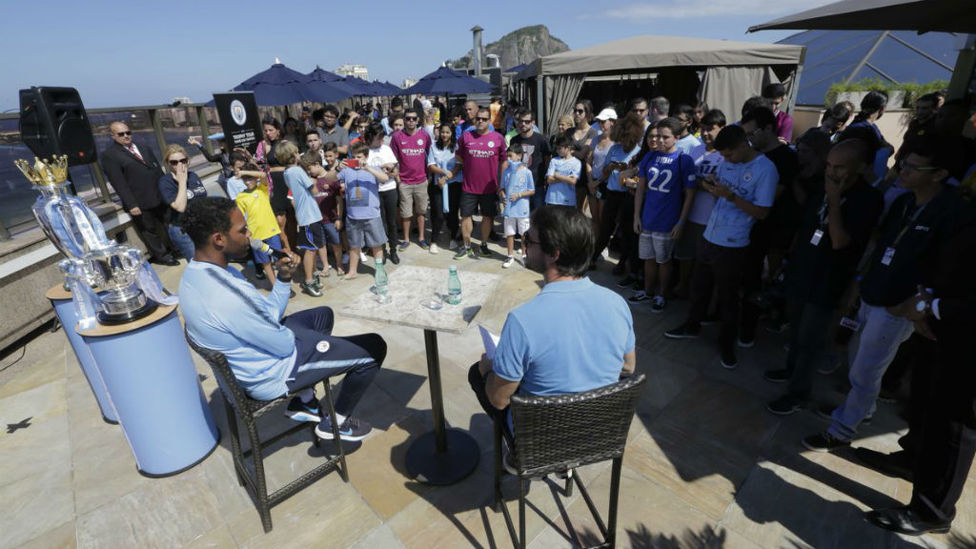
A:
834	230
330	131
481	155
536	153
410	146
916	226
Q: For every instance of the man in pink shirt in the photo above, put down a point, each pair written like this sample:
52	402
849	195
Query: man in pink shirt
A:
410	146
482	155
776	94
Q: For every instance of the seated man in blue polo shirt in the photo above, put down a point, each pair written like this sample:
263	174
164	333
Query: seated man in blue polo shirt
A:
574	336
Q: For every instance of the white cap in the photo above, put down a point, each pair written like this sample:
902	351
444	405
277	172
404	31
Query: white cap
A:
607	114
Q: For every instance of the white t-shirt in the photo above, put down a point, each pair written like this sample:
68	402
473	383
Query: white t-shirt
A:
378	157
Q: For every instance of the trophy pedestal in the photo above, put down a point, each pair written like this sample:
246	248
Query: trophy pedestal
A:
65	309
153	384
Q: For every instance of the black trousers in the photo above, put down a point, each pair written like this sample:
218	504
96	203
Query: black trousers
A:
942	436
809	327
718	267
388	213
437	215
151	228
618	203
755	257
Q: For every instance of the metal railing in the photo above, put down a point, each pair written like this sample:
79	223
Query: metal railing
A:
152	126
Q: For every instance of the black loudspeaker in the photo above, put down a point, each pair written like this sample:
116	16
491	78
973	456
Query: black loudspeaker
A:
53	122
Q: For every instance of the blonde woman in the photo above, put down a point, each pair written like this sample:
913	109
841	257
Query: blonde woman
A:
178	187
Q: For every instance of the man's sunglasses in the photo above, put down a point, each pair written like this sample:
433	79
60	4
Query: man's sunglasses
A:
180	161
120	134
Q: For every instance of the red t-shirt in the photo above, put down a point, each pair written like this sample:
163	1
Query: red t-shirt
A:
481	154
329	204
411	153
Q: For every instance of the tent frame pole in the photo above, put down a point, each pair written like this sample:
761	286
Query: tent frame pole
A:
540	106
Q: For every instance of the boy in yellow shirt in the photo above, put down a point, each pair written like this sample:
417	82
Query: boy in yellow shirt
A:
256	207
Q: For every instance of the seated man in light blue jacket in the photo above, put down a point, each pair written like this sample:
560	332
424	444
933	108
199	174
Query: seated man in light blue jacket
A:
270	355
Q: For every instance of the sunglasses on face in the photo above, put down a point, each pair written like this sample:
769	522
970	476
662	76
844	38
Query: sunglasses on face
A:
528	121
482	119
410	118
178	162
579	111
120	134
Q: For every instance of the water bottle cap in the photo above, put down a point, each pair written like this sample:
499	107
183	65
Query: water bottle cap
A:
452	268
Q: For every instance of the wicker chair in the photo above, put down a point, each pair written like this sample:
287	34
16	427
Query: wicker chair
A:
557	434
239	405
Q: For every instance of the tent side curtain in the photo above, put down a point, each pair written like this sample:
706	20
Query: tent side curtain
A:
727	88
561	92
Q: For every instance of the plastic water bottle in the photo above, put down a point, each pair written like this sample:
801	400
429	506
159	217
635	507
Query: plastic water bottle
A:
381	280
453	286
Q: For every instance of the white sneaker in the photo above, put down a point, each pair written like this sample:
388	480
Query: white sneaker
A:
433	248
363	258
605	253
508	262
452	245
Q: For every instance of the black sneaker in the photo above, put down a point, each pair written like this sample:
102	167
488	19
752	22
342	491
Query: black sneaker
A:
781	375
729	362
310	289
746	343
352	429
303	411
657	304
824	442
626	281
485	252
784	405
639	298
403	245
681	332
462	252
394	257
827	412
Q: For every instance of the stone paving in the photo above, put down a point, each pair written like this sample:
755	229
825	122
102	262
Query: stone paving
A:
706	464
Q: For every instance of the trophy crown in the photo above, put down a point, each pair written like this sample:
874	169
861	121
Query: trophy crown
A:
50	172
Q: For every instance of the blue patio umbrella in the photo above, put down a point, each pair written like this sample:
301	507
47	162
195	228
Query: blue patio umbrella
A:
445	81
278	85
392	88
361	86
321	78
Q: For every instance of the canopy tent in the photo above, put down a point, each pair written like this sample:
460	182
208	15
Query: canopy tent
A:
836	56
917	15
445	81
724	74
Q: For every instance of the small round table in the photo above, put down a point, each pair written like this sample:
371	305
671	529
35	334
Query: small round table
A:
153	384
64	307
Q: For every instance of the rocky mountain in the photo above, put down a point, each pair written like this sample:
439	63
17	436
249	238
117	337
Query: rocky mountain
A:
520	46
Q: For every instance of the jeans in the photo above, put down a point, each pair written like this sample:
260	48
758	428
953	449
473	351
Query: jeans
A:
322	355
181	240
871	350
718	267
809	326
388	212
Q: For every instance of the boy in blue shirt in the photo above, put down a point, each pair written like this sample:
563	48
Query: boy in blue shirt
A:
517	185
665	193
311	233
564	172
361	187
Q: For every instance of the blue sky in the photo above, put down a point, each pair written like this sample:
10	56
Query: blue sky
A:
142	53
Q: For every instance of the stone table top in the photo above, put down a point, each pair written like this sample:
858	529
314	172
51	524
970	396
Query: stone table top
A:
410	285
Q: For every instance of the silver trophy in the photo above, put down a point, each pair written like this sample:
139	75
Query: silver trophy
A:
105	276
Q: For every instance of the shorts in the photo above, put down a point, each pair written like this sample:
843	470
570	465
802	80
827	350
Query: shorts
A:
413	200
657	246
513	225
486	204
311	237
368	231
260	257
331	233
685	249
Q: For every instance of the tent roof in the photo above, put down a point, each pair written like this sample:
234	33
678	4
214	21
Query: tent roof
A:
898	56
649	51
917	15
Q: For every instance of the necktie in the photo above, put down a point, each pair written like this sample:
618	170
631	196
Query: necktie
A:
132	149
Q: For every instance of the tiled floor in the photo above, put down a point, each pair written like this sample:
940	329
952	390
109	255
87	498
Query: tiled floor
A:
706	466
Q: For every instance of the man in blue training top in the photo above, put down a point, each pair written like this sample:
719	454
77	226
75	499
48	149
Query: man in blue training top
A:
269	354
573	337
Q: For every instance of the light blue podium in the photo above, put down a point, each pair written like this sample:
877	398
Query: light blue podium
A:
153	384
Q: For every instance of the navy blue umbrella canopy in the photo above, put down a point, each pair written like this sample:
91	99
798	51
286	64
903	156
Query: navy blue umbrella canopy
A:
362	87
328	86
445	81
394	89
277	85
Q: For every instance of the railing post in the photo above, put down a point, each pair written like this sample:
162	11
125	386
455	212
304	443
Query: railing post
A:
204	129
4	235
99	176
158	129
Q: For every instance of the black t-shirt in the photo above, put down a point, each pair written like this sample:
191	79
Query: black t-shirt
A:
818	273
778	227
581	151
535	149
916	235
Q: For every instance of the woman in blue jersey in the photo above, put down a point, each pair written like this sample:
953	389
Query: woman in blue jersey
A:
445	188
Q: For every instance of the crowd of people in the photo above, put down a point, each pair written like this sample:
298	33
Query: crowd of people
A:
832	236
